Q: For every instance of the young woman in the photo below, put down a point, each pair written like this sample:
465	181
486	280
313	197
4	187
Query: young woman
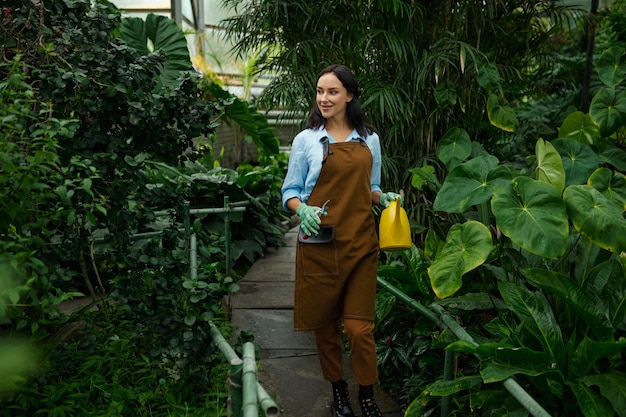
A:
333	179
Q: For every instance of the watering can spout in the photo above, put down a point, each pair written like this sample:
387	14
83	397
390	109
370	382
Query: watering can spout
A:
394	229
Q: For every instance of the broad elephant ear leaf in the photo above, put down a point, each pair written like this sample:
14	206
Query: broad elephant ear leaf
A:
159	33
500	115
532	214
611	66
445	94
611	155
471	183
579	160
580	127
595	217
611	184
549	165
467	246
608	109
454	147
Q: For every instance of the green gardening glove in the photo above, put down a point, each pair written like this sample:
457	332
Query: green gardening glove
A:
309	219
387	198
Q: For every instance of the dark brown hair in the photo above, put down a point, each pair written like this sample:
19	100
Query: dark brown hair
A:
354	112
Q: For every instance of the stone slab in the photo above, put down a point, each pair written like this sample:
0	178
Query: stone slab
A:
284	254
270	270
290	237
272	329
257	295
301	391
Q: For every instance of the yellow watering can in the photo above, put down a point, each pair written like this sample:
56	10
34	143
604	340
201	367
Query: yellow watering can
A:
394	229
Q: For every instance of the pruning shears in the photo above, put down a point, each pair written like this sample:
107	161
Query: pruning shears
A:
324	209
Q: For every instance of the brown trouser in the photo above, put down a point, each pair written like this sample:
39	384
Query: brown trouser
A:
362	350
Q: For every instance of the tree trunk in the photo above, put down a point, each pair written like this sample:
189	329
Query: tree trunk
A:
591	37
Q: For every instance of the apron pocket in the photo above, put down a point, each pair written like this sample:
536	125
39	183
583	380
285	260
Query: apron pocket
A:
325	235
319	259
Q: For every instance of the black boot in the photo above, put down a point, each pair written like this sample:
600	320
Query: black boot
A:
340	406
369	408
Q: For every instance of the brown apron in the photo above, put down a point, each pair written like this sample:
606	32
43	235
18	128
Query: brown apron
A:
338	279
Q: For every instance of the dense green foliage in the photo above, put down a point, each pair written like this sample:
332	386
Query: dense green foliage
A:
423	66
523	196
521	188
532	260
96	151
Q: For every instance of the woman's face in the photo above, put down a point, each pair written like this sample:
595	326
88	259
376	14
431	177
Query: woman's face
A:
332	97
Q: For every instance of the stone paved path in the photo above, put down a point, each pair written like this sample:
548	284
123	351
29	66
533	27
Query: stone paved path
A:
288	364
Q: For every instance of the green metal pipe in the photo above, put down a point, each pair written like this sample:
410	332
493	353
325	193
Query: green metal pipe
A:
267	403
227	236
451	324
250	405
448	375
144	235
193	257
235	387
222	344
524	398
408	300
445	319
216	210
187	218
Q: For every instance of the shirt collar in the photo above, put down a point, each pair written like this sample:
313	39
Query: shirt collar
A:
354	136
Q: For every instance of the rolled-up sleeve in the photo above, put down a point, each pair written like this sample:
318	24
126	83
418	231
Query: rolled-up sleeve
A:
293	185
374	144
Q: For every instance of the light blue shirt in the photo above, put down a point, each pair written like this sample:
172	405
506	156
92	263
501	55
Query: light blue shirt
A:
305	163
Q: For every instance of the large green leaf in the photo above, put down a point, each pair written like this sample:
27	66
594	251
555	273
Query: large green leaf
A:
532	215
537	317
589	352
591	403
500	361
488	77
418	405
486	398
611	154
500	115
595	217
442	388
425	176
609	280
159	33
471	183
579	160
580	127
445	94
467	246
608	109
549	165
611	184
454	148
611	66
586	305
246	116
612	386
473	301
